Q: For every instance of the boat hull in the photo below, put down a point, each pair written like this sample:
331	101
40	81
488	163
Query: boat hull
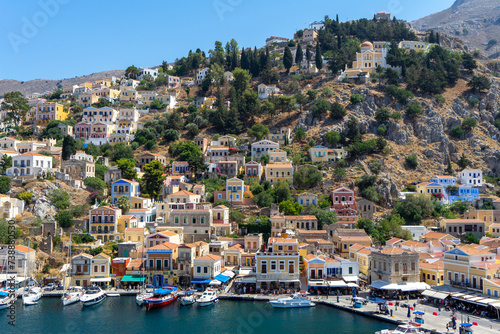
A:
158	302
186	302
31	299
68	300
208	302
139	299
94	301
292	304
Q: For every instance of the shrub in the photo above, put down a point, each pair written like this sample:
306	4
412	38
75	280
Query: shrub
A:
469	123
332	137
381	130
375	166
46	268
401	95
357	98
440	99
307	177
414	110
312	94
456	131
95	183
192	129
60	199
26	196
382	114
327	92
338	111
396	115
319	107
64	219
171	135
412	160
4	184
473	103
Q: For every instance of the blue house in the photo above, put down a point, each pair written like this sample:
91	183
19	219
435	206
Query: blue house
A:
465	193
126	188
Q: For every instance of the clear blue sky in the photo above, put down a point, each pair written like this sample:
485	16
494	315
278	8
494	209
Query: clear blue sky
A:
78	37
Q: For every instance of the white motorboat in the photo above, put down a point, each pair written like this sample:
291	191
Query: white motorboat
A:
139	299
402	329
291	302
188	299
209	297
6	299
92	296
72	295
112	294
32	296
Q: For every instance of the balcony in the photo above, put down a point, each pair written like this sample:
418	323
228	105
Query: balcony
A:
278	277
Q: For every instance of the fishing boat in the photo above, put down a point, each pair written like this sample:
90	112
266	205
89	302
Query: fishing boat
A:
209	297
402	329
188	299
139	299
92	296
293	301
72	295
32	296
161	297
6	299
109	294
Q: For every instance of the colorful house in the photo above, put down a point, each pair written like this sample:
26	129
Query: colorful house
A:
278	156
431	189
279	172
50	111
263	147
253	171
306	199
126	188
432	271
160	263
103	223
181	168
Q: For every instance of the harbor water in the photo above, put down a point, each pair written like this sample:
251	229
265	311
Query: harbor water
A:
122	316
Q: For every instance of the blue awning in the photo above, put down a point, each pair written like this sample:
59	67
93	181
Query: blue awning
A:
200	281
222	278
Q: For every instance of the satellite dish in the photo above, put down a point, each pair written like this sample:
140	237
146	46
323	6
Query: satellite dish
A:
84	145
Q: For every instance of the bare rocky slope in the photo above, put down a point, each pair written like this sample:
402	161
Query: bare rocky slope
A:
43	85
474	21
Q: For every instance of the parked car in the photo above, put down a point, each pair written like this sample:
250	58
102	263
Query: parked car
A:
49	287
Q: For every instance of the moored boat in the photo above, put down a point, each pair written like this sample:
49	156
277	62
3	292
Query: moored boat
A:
402	329
92	296
209	297
72	295
294	301
112	294
161	297
188	299
6	299
139	299
32	296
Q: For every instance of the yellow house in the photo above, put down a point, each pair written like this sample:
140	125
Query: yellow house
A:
87	84
487	216
318	154
277	156
50	111
432	273
370	57
279	265
148	97
469	266
414	45
431	189
135	234
125	222
362	255
494	230
279	172
108	82
109	93
129	94
491	287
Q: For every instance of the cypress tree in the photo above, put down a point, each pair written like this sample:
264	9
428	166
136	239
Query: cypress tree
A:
319	59
287	59
308	56
337	18
298	55
245	64
438	39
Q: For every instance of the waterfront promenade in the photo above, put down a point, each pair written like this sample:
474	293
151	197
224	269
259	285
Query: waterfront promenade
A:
433	323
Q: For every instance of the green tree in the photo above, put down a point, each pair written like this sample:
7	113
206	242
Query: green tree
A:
412	160
306	177
264	199
319	107
324	217
319	58
60	199
357	98
153	178
25	196
300	134
5	162
382	114
463	162
367	225
456	131
375	166
312	94
469	123
281	191
338	111
414	208
468	62
241	80
287	59
190	152
68	148
258	131
264	159
95	183
132	72
414	110
127	167
171	135
290	208
64	219
301	100
192	129
124	204
479	83
471	239
298	55
332	137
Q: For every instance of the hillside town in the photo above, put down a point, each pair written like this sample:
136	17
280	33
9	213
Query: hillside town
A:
217	171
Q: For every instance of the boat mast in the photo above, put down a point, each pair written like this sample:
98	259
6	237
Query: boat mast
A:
142	262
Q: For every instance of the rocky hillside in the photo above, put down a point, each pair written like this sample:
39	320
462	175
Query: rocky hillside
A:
43	85
475	21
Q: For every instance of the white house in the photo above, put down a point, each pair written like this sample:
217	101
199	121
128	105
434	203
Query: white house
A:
143	71
104	115
207	266
417	231
266	91
80	155
471	177
10	207
201	75
228	76
9	143
316	25
263	147
276	39
129	83
30	164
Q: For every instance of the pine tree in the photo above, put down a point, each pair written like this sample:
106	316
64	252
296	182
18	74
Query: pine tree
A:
68	148
298	55
438	39
449	169
234	59
255	67
319	58
245	64
432	38
287	59
308	57
337	18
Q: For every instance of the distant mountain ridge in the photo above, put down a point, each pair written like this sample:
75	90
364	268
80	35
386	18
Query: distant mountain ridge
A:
474	21
43	85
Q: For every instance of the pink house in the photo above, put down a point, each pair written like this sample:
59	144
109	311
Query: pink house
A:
344	201
173	82
82	130
220	214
